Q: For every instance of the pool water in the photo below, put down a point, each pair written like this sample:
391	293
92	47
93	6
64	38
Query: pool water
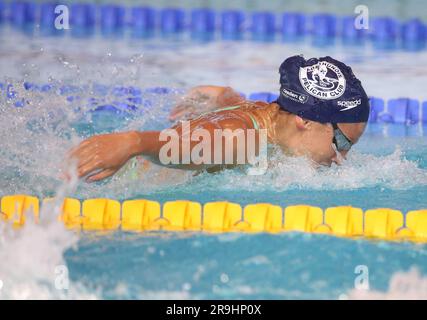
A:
387	168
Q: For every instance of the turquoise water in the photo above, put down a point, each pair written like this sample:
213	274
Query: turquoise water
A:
285	266
387	168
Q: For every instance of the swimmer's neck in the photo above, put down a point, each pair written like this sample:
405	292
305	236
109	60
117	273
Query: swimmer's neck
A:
282	129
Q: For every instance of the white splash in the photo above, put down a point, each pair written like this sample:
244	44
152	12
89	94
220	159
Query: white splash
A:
33	265
410	285
360	170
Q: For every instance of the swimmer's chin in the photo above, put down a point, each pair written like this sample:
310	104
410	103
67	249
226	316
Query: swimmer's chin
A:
320	165
315	164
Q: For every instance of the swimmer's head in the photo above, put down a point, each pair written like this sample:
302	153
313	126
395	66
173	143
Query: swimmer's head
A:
329	112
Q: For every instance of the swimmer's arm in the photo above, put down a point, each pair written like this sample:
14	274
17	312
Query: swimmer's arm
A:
202	99
150	144
101	156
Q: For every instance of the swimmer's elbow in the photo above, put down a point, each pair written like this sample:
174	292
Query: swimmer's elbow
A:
223	96
230	97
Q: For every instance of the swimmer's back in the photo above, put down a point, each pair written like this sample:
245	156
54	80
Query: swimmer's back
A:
257	114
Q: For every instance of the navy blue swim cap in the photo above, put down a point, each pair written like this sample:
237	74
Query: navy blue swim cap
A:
322	90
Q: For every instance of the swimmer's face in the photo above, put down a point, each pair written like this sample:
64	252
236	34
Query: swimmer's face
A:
315	140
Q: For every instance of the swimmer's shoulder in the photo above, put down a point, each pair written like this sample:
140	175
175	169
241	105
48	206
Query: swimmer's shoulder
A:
263	111
251	105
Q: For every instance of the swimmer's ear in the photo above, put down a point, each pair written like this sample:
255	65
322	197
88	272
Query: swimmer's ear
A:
301	123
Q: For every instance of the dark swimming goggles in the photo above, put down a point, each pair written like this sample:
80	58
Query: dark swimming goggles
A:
341	142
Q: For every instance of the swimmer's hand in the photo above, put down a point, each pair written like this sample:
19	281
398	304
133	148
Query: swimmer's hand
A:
101	156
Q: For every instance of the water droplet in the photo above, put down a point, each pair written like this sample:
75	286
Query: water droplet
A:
224	278
186	286
342	296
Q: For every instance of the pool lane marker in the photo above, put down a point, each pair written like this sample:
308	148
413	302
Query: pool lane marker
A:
141	215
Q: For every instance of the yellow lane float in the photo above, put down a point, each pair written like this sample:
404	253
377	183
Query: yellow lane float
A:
145	215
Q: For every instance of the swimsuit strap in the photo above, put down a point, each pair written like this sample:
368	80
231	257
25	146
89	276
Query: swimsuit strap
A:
254	121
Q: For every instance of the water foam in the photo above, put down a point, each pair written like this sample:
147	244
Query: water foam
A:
409	285
33	263
360	170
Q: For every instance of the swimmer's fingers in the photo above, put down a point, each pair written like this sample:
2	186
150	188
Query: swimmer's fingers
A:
85	157
88	168
82	154
76	154
101	175
81	145
79	161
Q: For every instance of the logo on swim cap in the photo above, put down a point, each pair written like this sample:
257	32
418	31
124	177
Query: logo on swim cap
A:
322	80
349	104
301	98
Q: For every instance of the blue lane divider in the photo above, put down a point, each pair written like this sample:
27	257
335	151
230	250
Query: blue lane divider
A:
203	23
82	19
47	19
404	110
172	20
232	24
400	110
377	108
113	19
293	26
202	20
22	13
323	29
263	96
349	34
142	21
414	34
33	87
263	26
324	25
384	32
1	12
423	114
